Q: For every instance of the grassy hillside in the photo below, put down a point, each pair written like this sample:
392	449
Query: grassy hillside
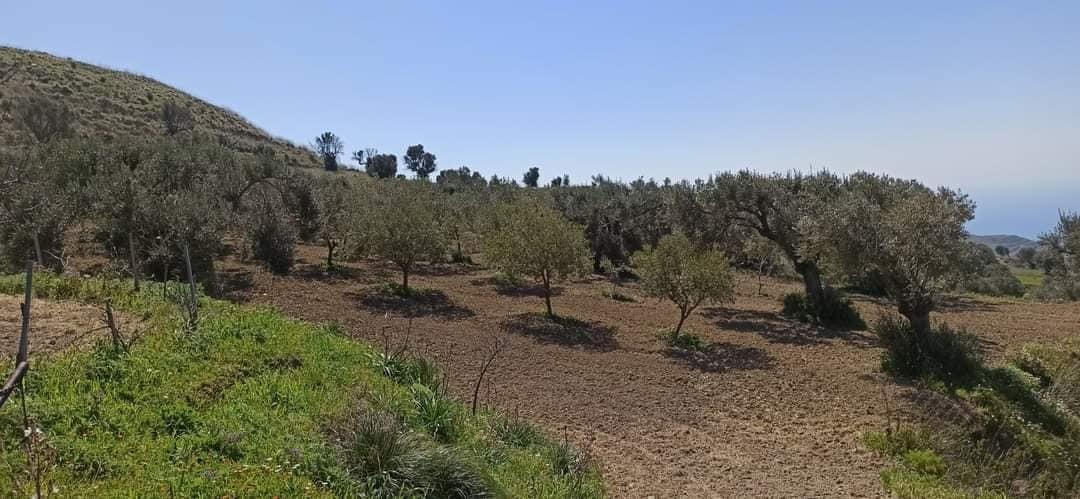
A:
257	405
107	102
1014	243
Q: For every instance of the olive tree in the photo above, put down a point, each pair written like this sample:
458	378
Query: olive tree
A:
910	236
34	209
777	207
1062	259
334	199
401	221
527	239
676	270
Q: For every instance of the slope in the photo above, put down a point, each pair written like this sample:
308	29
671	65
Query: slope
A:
110	103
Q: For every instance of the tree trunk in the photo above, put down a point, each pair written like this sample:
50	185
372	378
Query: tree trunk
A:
405	278
330	254
918	314
547	294
131	258
812	282
37	249
682	318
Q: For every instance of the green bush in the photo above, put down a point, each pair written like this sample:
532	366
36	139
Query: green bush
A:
683	341
994	280
17	247
836	310
272	239
943	354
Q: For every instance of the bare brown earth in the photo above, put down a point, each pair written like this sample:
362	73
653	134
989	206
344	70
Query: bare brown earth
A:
774	409
56	325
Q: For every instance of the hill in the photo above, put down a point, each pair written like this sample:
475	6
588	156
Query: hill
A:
1012	242
108	102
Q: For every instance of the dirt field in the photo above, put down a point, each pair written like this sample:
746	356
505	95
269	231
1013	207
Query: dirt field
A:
56	325
775	409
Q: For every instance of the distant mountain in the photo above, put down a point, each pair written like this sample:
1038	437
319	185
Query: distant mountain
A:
1014	243
108	103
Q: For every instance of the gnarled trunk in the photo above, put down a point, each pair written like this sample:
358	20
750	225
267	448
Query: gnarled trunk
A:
812	281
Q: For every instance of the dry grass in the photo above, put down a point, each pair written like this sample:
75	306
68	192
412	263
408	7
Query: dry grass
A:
117	103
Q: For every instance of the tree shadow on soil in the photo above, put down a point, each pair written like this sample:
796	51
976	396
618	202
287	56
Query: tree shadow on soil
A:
517	290
340	272
776	328
566	331
414	303
234	285
445	269
723	356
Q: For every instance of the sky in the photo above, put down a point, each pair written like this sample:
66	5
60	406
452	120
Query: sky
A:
980	96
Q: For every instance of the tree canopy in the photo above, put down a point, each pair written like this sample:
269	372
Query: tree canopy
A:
524	238
687	276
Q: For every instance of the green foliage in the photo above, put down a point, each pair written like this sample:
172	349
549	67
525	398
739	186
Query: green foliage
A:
329	146
912	237
272	237
940	354
684	340
336	203
435	412
421	162
532	177
994	280
401	221
525	239
381	166
687	276
1018	434
36	207
1062	260
834	310
256	405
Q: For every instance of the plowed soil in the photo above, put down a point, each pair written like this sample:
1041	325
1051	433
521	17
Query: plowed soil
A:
56	325
773	409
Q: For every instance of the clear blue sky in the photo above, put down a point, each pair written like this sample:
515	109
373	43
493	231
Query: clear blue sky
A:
983	96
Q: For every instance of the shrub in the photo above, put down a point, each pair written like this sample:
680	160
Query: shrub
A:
272	238
994	280
942	354
524	239
687	276
835	310
402	223
682	341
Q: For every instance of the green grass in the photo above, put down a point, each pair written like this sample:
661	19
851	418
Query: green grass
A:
1030	278
241	409
1010	429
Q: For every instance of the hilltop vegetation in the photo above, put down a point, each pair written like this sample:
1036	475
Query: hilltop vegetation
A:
112	104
